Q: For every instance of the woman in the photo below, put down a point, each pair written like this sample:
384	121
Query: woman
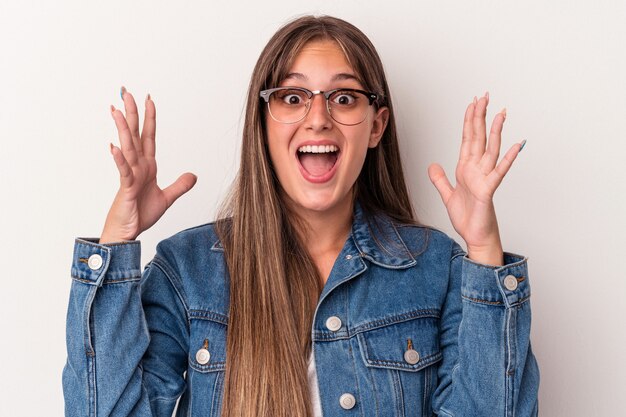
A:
317	291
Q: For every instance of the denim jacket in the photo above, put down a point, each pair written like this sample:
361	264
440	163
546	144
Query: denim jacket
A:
406	325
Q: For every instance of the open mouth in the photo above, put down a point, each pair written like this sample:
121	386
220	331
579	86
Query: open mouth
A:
317	161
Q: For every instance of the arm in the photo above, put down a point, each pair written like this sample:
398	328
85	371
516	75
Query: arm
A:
488	367
126	334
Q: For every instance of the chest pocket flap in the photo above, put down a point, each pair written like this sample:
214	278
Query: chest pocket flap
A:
207	343
409	345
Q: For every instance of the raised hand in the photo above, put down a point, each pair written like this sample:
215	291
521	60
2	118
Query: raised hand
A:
470	204
139	202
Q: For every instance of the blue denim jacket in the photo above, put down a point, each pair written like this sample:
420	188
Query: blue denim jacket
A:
416	328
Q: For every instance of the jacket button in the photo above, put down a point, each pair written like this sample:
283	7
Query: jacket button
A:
347	401
95	261
333	323
203	356
411	356
510	282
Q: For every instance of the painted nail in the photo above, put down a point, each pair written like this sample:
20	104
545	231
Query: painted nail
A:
487	95
112	109
122	91
148	97
504	113
111	147
523	144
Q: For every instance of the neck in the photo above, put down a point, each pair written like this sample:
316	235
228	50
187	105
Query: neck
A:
326	231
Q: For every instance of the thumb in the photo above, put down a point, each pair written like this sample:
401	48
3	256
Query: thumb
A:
440	181
183	184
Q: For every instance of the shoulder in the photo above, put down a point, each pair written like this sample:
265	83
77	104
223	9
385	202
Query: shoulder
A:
423	238
193	260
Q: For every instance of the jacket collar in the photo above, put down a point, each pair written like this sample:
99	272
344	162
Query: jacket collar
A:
375	237
377	240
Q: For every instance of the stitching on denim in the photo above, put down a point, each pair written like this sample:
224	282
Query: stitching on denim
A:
399	318
376	324
209	316
397	389
402	241
423	362
214	366
356	379
427	233
427	377
370	373
482	301
108	245
117	281
164	266
216	402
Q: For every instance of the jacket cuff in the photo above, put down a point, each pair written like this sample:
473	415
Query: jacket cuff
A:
507	284
97	264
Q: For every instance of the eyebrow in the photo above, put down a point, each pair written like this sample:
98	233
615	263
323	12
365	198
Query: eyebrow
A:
337	77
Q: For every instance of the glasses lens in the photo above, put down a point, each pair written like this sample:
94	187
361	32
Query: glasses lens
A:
288	105
348	107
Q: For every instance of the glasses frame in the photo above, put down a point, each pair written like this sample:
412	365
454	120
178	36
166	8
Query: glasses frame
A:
266	94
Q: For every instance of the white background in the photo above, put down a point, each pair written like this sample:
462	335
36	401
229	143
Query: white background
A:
559	67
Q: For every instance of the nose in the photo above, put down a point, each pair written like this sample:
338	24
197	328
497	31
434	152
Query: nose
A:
318	117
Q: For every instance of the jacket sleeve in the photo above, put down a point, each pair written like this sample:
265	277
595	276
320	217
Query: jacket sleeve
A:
488	367
126	334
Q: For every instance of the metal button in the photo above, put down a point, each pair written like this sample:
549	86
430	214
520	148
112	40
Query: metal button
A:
203	356
333	323
95	261
411	356
347	401
348	257
510	282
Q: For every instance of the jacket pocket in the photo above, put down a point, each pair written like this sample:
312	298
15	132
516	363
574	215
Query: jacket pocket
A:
399	355
207	360
207	345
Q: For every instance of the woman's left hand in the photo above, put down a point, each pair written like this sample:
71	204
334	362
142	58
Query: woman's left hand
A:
470	203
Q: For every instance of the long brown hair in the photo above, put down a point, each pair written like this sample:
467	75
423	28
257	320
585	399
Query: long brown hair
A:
274	284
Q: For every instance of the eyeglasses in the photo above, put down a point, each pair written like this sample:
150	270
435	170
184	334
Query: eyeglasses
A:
347	106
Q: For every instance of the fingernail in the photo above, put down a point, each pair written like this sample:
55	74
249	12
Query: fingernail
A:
487	95
523	144
504	113
148	97
475	100
112	109
122	91
111	147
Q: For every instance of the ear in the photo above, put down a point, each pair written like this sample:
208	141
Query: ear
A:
378	126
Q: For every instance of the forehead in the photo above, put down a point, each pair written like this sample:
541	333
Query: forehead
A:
321	60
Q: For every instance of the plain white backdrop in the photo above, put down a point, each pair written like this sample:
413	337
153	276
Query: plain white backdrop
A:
559	68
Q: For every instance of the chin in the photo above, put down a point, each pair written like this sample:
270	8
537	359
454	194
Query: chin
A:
320	204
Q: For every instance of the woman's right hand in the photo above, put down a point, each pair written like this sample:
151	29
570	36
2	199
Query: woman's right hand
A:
139	202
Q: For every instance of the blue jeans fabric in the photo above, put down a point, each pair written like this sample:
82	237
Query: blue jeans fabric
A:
133	338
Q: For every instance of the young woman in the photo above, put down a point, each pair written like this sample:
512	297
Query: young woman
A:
317	292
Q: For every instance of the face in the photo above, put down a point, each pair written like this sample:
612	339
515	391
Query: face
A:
321	182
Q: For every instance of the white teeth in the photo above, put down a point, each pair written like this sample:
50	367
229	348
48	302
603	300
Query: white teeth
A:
317	148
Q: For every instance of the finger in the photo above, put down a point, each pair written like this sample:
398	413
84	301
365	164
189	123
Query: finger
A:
183	184
132	117
495	177
126	173
149	128
123	132
440	181
489	159
479	138
466	141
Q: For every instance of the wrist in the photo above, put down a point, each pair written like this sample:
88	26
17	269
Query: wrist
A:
488	254
493	256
